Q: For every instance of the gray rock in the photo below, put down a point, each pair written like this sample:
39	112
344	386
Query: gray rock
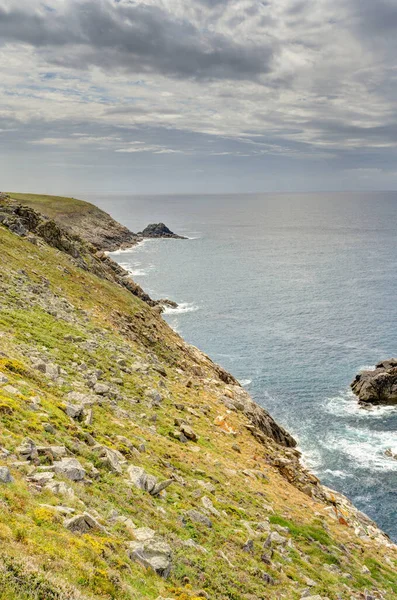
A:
59	488
101	389
41	478
146	482
188	432
3	378
112	459
378	386
82	523
27	450
5	475
198	517
152	551
207	503
70	468
10	389
74	411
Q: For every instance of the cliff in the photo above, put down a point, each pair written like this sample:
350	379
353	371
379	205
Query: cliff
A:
131	465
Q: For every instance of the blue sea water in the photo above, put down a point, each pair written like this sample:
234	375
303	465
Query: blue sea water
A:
293	294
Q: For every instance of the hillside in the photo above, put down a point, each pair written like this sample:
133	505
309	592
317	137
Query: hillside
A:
81	219
132	466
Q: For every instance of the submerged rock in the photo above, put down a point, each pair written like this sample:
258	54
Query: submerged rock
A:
378	386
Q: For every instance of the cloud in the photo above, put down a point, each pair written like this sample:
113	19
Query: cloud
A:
132	37
187	82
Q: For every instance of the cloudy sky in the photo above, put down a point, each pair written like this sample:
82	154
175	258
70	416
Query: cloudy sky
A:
175	96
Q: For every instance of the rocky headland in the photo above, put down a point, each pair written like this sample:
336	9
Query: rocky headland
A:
132	466
378	386
85	220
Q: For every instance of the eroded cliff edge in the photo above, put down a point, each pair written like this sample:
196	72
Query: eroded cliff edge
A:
132	466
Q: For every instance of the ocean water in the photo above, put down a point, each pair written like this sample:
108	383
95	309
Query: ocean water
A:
293	294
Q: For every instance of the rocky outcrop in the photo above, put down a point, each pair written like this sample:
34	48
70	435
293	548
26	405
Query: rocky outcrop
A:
159	230
378	386
151	551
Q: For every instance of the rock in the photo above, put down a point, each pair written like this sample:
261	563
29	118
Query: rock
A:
53	452
146	482
277	539
151	551
159	230
49	428
101	389
82	524
27	450
198	517
378	386
74	411
10	389
5	475
59	488
41	478
3	378
70	468
249	546
188	432
112	459
207	503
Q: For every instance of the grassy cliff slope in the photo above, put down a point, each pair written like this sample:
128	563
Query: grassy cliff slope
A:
80	218
101	406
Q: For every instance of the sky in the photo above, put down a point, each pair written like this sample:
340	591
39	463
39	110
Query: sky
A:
196	96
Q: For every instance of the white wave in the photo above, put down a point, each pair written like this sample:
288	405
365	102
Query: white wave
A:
194	237
245	382
337	473
347	405
367	368
366	448
128	250
184	307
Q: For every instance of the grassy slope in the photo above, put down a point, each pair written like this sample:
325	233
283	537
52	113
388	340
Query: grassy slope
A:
39	557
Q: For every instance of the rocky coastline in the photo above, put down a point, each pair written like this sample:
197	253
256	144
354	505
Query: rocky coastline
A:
132	466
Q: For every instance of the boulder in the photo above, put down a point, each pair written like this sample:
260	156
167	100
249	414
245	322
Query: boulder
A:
70	468
111	459
27	450
188	432
101	389
82	523
151	550
146	482
198	517
378	386
5	475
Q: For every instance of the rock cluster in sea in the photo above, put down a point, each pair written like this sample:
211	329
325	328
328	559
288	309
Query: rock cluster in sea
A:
378	386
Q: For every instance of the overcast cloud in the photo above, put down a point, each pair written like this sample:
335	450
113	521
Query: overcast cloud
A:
198	95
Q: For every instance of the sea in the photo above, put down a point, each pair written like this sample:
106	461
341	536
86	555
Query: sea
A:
294	294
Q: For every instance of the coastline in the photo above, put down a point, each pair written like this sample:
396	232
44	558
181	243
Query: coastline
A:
132	448
341	507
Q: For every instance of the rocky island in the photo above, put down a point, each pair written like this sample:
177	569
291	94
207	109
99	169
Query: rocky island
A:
131	465
378	386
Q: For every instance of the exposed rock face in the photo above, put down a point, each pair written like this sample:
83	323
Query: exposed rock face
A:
159	230
378	386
